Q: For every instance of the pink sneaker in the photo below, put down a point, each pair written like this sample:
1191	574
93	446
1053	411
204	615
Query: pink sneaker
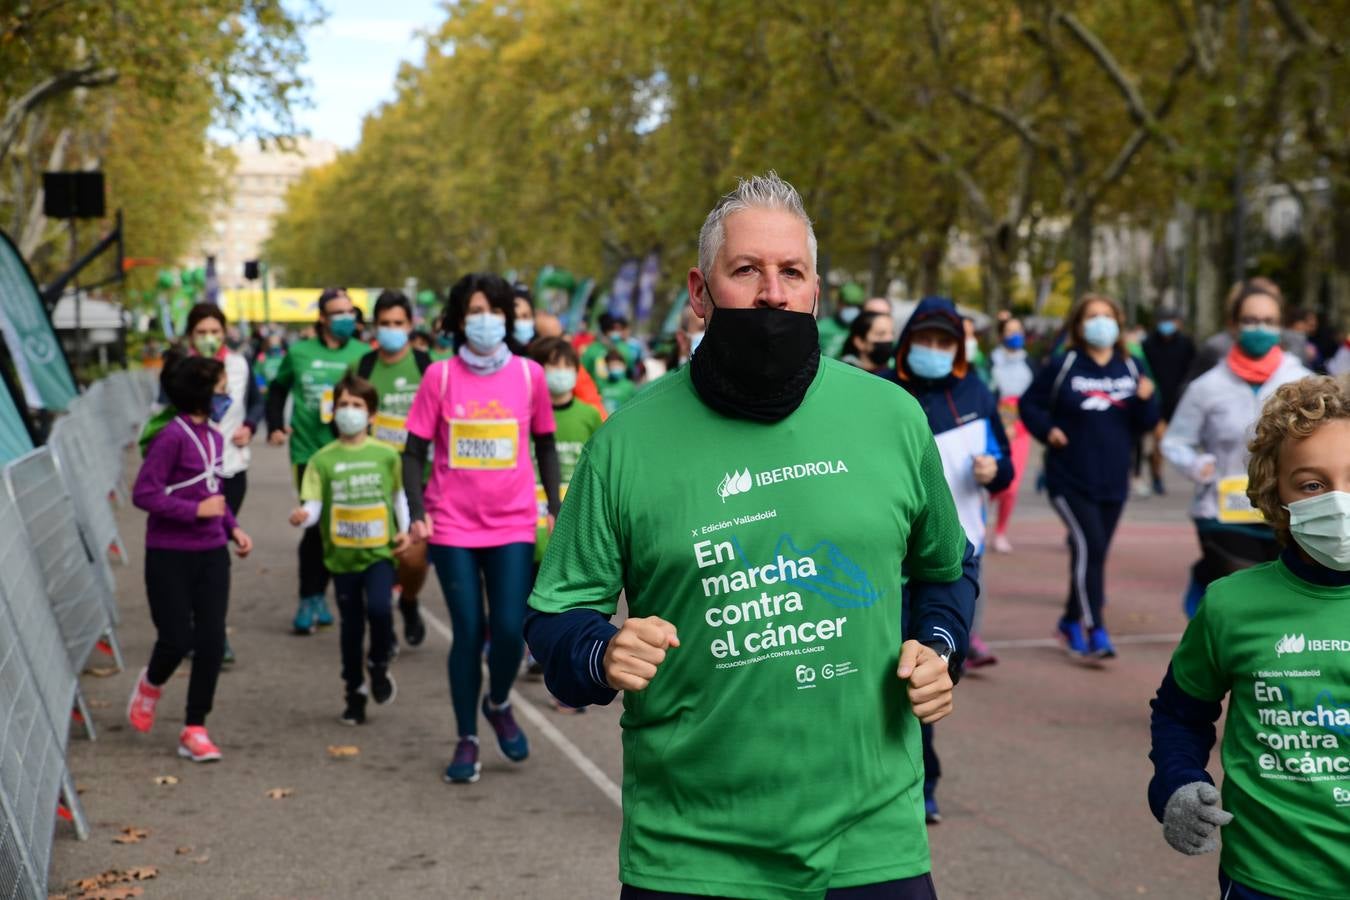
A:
141	706
979	655
195	744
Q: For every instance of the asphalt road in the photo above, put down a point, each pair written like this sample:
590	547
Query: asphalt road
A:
1045	760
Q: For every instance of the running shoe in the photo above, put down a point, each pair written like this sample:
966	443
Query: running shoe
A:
510	738
141	707
1001	544
1158	487
414	629
322	616
931	815
979	655
355	713
1099	644
228	658
383	688
566	710
1142	489
393	645
195	744
464	767
1071	633
304	617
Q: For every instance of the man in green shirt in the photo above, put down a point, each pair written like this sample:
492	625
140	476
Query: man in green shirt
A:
311	368
833	330
761	510
395	369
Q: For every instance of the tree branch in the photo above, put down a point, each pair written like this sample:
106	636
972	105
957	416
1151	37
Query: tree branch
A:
1300	30
85	76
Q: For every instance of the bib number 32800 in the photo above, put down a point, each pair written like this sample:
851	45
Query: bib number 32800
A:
484	444
360	527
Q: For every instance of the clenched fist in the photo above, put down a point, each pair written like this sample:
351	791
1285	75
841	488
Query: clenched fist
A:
635	652
930	682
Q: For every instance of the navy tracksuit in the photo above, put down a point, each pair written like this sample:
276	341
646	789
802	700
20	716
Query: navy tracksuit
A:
1099	410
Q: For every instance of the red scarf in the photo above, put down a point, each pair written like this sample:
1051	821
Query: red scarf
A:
1254	371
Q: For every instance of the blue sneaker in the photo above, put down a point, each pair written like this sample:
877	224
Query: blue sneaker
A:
1071	633
931	815
464	767
304	617
322	617
510	738
1099	644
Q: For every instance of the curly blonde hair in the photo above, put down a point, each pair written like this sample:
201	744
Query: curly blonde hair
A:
1294	411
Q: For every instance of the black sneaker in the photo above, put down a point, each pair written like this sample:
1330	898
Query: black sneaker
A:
414	629
383	688
355	713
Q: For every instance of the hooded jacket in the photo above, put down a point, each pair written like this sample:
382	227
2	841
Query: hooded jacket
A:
954	402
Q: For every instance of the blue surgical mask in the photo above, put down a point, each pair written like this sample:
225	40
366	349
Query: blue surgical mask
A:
342	326
930	363
1257	340
1168	328
560	381
392	340
848	314
445	341
220	404
351	420
484	331
1101	331
1015	341
523	329
694	340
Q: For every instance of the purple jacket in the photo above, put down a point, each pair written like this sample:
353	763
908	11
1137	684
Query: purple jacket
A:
174	458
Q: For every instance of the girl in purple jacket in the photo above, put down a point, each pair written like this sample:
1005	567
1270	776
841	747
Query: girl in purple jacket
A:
187	560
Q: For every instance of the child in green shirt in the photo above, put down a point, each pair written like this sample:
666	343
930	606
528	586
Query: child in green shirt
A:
1272	638
616	388
353	490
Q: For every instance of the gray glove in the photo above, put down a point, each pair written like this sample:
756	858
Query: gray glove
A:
1193	817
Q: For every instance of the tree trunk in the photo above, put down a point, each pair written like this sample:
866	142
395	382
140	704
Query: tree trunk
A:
880	274
1209	269
996	273
1338	303
930	264
1080	234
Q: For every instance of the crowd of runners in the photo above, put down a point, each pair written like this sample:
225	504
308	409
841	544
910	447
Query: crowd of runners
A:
865	461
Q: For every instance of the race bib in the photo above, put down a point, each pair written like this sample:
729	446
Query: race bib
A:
360	527
392	430
326	406
1234	506
484	443
541	501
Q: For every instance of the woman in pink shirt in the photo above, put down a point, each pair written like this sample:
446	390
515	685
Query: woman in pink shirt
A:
478	412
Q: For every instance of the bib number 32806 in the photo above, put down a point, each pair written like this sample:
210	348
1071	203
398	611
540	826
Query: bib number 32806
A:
484	443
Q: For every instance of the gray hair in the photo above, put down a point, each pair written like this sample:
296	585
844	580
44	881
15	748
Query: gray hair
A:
766	191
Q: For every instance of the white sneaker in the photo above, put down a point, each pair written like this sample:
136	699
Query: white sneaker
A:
1001	544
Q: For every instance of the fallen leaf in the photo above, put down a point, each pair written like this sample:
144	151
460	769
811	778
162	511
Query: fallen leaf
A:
143	873
58	897
166	779
182	851
131	835
280	793
101	671
116	892
343	751
205	857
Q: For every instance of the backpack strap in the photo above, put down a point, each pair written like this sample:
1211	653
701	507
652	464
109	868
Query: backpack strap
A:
1069	359
366	365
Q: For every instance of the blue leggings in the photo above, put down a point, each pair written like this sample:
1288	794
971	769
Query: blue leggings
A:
508	571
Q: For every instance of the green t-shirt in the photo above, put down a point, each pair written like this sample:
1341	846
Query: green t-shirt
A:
576	422
397	386
269	366
593	357
775	754
832	336
357	486
1280	648
615	394
309	370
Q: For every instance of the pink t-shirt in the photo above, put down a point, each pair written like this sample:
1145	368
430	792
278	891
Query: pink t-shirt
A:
481	492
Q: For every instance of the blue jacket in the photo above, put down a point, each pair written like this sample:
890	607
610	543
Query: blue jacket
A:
958	399
1099	410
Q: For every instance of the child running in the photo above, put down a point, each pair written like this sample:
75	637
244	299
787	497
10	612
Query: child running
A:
1271	638
353	490
187	561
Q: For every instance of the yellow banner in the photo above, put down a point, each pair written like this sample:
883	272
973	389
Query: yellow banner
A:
290	305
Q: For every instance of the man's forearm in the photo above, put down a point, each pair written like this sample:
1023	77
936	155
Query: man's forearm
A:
571	648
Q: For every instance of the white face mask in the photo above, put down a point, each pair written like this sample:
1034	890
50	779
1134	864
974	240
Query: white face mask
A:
351	420
1321	526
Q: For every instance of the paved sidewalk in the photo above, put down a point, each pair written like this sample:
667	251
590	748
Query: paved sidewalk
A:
1045	761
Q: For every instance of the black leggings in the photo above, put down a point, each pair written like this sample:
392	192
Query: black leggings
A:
1091	524
360	596
920	887
234	489
313	573
189	592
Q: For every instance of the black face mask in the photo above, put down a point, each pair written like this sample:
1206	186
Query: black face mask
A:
881	353
755	363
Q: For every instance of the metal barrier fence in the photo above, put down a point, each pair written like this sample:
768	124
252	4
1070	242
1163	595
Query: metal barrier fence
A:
57	602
